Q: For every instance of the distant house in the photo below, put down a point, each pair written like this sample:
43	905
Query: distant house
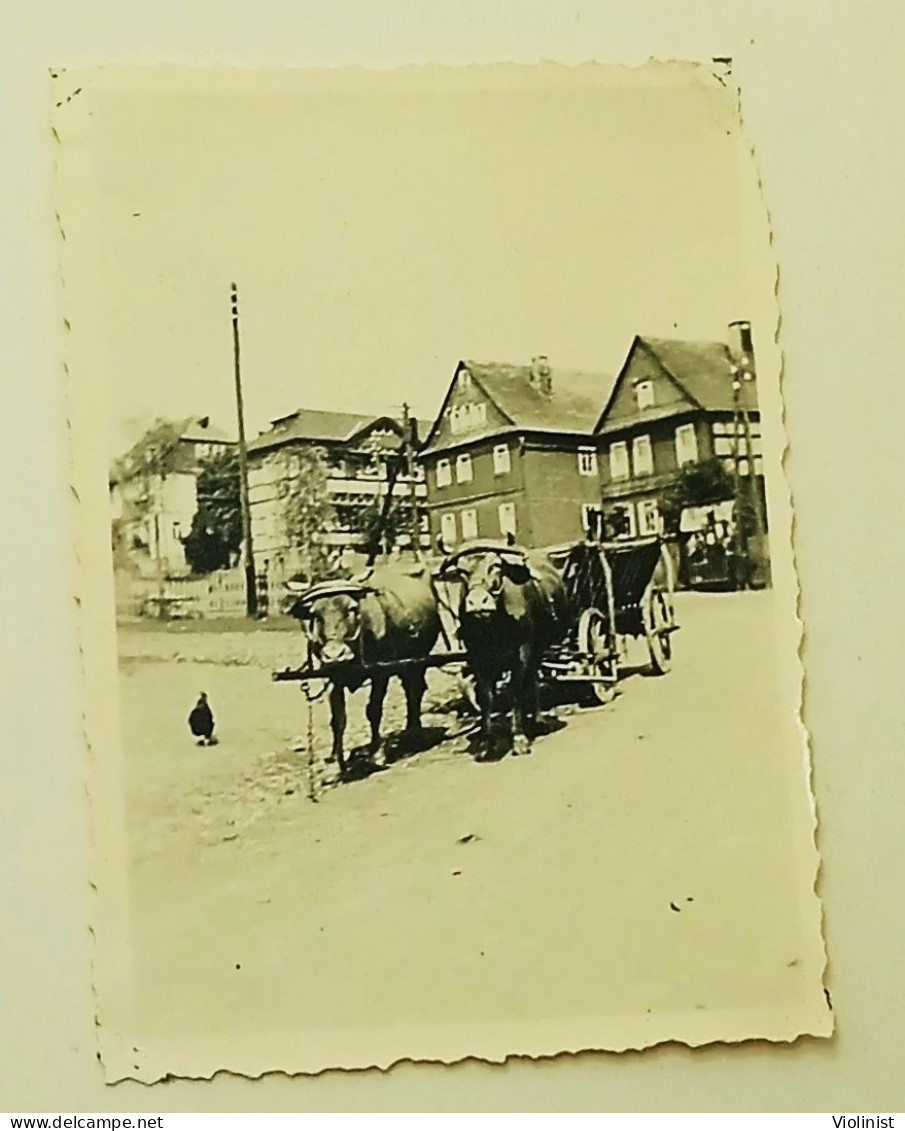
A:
512	453
355	448
675	403
153	495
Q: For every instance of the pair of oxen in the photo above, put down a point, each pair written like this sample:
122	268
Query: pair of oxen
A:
512	608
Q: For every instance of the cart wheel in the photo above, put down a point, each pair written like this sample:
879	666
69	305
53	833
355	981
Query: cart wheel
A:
658	618
594	640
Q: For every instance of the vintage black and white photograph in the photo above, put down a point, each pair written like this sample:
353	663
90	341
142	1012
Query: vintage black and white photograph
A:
438	604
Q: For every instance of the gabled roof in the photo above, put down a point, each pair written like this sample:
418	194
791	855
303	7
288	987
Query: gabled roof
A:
320	426
199	429
701	370
573	404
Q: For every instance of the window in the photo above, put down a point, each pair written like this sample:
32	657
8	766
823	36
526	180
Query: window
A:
587	461
479	413
648	517
464	379
444	473
686	445
620	521
590	518
619	461
455	419
502	463
506	513
469	524
644	391
642	456
463	468
448	529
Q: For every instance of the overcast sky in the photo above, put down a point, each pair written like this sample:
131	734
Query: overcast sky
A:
377	238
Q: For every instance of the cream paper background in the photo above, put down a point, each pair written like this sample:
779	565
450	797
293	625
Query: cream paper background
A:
783	994
843	356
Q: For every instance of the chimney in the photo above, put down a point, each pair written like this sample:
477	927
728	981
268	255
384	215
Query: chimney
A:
541	376
741	345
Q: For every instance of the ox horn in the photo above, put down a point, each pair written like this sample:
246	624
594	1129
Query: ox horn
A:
513	554
308	596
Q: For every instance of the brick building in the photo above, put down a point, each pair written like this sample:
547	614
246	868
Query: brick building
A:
675	403
512	453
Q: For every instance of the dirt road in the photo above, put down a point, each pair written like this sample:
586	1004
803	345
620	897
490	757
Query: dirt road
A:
579	880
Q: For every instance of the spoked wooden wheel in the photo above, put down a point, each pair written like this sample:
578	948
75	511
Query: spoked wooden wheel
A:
657	613
595	645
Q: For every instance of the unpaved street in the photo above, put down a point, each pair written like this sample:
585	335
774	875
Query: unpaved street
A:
576	881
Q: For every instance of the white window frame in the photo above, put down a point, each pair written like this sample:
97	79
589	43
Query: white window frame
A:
444	473
464	468
587	509
508	525
469	520
448	529
587	461
502	460
686	452
480	414
628	509
645	466
455	419
648	517
645	399
619	463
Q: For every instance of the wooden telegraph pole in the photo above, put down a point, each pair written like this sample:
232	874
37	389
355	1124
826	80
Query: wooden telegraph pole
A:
251	589
408	427
740	549
760	525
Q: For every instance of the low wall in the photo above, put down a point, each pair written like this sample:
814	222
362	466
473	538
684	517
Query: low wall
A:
220	594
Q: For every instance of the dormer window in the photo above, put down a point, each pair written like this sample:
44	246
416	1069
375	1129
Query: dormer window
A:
644	393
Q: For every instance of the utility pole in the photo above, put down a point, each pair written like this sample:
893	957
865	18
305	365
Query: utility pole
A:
251	589
753	484
408	425
740	550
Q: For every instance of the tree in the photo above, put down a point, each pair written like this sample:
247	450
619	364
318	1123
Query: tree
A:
152	455
308	513
696	485
216	534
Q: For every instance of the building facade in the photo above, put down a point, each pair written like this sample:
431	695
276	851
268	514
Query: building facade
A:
357	451
511	454
153	496
675	403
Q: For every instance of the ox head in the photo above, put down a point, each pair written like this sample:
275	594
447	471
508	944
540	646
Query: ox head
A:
482	569
330	615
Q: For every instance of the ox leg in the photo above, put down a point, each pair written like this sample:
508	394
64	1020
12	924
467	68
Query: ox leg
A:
484	696
415	684
338	725
521	707
375	712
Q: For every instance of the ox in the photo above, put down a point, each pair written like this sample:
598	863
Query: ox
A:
388	616
512	609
